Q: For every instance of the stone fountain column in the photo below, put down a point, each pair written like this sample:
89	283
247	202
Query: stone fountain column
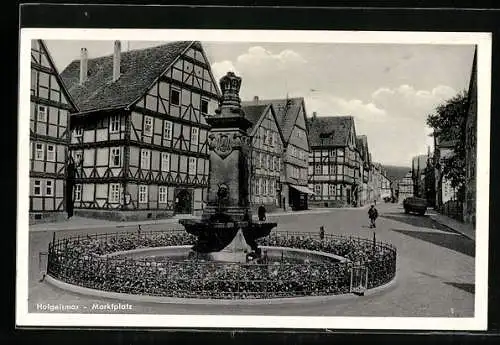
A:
229	147
226	223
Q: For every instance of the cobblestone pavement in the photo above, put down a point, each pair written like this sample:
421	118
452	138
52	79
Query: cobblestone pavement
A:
435	270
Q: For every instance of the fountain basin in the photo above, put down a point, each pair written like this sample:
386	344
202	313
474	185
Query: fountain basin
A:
215	236
183	253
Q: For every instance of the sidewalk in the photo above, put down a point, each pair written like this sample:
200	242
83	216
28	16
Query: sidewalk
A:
79	223
465	229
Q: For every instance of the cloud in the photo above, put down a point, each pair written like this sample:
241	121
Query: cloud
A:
393	119
219	69
406	101
258	56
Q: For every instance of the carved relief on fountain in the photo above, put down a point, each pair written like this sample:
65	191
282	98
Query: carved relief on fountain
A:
225	143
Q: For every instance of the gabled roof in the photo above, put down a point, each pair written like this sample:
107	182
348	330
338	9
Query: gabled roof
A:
61	83
330	130
255	114
362	144
286	111
139	69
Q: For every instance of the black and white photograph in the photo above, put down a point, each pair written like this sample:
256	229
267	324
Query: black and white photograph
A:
232	178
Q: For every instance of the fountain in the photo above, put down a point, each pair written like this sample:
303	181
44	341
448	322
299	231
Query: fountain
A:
226	230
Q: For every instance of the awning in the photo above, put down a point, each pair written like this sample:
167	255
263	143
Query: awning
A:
302	189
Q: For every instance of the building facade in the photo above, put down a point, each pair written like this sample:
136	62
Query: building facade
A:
265	157
293	191
49	137
334	168
405	187
365	184
469	209
139	140
418	169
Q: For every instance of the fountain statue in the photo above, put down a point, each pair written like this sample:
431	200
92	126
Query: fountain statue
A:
226	225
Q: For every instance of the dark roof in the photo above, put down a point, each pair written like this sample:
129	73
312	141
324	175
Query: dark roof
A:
362	145
286	110
253	113
330	130
139	70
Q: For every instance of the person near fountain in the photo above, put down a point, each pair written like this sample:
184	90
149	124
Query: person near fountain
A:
373	215
261	213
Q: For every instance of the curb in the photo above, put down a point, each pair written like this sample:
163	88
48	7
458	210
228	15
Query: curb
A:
192	301
436	219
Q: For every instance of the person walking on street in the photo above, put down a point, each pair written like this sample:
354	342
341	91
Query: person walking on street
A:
373	215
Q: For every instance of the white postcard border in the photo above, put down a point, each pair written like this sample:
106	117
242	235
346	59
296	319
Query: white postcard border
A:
479	322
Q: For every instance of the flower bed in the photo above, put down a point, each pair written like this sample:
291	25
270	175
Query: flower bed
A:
83	261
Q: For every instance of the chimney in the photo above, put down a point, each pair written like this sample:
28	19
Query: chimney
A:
83	65
116	60
256	100
314	115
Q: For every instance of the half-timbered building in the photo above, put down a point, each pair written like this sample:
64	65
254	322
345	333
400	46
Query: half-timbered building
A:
469	208
334	161
49	137
366	188
266	157
139	139
293	191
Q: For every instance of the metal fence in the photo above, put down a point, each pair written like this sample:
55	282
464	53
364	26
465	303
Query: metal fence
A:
83	261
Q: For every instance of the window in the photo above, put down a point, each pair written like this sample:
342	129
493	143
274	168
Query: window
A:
331	190
114	195
37	190
269	137
279	164
175	97
204	106
49	188
165	161
167	131
78	192
275	163
194	135
114	124
39	152
333	170
116	159
51	153
317	189
275	140
42	113
259	161
148	126
257	187
143	194
340	152
192	166
162	194
317	169
267	162
78	132
145	159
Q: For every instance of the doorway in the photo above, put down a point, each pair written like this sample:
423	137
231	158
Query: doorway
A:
183	201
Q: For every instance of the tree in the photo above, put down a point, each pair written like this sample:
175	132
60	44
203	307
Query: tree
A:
448	123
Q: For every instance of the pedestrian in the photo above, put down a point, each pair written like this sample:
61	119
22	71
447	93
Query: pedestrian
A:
321	233
373	215
261	212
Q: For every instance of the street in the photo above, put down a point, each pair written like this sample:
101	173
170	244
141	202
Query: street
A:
435	269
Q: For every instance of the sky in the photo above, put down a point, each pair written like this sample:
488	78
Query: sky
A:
389	89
